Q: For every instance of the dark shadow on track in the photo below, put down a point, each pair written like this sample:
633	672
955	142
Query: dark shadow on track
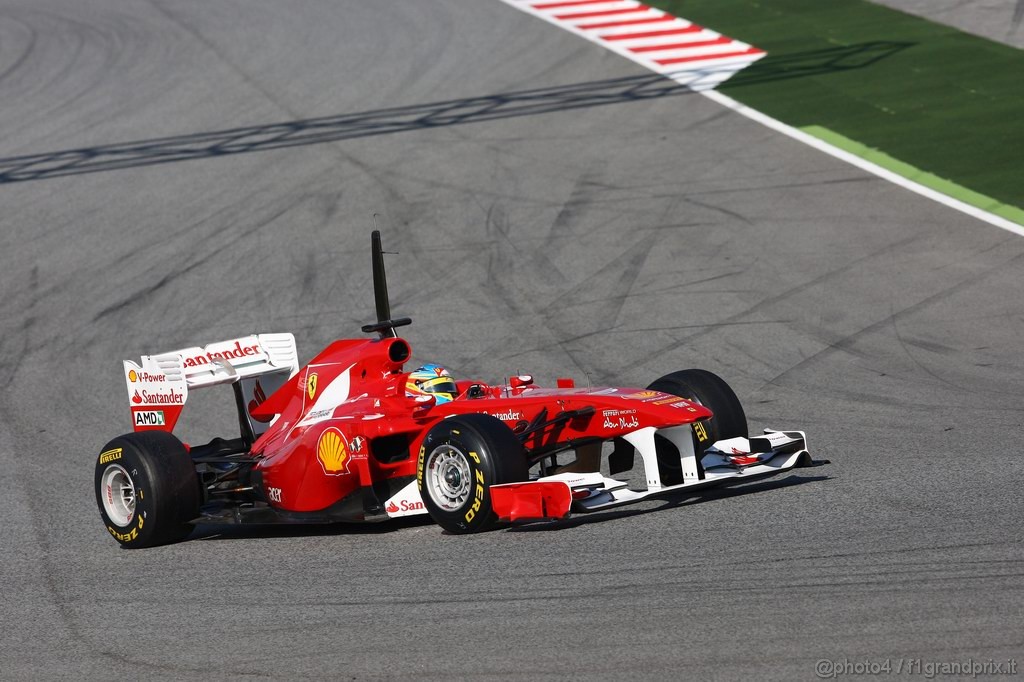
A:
312	131
216	532
816	62
220	532
335	128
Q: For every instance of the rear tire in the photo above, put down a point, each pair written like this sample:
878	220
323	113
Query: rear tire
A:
460	459
711	391
147	489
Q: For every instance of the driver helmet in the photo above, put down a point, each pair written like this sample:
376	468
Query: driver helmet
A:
432	379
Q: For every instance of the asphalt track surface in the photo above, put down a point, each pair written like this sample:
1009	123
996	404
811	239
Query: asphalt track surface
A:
557	210
999	20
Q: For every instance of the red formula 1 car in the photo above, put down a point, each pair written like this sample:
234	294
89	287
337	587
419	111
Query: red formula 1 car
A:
355	436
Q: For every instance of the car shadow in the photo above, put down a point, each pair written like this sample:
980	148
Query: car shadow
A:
220	532
227	532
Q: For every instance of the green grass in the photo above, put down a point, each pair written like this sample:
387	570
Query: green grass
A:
933	97
947	187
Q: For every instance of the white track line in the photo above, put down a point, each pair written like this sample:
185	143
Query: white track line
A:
864	164
627	27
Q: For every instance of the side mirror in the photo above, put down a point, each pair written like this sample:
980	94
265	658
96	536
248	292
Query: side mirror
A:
422	403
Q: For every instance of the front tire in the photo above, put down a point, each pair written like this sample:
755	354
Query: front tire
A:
460	459
147	489
711	391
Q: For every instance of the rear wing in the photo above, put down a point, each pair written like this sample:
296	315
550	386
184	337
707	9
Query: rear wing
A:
256	365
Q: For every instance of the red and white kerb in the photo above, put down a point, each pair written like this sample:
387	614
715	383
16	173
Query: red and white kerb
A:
691	55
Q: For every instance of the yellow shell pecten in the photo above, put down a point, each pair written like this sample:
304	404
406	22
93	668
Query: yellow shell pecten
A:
331	451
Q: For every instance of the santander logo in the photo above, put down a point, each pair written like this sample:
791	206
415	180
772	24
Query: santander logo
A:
400	507
169	397
229	353
507	415
406	502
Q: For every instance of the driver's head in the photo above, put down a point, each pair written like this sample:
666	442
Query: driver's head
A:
432	379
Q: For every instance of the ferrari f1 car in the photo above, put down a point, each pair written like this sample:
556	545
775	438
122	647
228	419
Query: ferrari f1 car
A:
354	436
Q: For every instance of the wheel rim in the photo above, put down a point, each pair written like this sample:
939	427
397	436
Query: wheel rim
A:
118	492
448	477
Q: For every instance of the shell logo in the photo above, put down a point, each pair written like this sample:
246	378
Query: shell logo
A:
332	452
133	376
642	395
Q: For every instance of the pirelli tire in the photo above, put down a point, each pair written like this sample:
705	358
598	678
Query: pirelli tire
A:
711	391
147	489
459	460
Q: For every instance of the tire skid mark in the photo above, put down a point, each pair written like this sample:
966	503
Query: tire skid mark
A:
619	274
846	343
580	198
6	24
68	60
613	283
12	358
32	500
337	150
180	271
503	256
710	327
36	500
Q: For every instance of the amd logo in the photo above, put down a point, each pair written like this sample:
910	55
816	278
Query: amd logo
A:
149	418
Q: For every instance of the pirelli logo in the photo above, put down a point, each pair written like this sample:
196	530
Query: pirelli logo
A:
110	455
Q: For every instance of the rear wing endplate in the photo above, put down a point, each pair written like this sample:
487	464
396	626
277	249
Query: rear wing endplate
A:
159	386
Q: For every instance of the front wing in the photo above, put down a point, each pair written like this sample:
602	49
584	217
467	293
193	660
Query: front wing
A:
727	462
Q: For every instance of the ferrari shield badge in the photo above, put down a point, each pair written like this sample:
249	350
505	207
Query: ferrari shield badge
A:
311	385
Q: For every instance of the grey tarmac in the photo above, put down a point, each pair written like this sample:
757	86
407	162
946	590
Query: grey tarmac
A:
176	172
